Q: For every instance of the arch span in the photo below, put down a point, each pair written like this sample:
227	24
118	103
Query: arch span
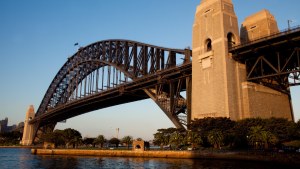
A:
112	72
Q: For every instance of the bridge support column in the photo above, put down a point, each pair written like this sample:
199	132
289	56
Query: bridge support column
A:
189	100
28	132
215	78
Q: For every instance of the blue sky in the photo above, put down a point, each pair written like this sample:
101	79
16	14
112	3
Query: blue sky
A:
37	37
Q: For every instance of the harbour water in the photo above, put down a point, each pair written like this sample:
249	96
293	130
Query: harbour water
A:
14	158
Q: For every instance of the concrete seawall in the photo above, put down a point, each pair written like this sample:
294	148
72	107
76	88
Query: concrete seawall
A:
266	157
120	153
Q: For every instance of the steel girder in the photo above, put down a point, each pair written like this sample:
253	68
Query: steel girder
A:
108	68
272	61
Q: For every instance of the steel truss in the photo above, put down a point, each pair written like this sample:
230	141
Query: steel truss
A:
278	70
113	72
272	61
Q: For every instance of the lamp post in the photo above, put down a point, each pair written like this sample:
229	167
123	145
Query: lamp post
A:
289	23
117	130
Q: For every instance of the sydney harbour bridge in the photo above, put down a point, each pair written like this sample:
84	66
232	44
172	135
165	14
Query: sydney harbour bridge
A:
112	72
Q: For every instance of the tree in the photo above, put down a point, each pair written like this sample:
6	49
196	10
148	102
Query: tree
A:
177	139
268	139
127	140
241	131
100	140
283	129
159	139
114	141
194	139
89	141
206	125
163	136
139	139
255	136
76	141
215	138
10	138
55	137
72	136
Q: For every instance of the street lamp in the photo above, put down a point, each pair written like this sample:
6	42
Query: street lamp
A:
289	23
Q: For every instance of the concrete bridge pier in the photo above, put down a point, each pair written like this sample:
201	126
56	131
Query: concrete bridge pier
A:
28	132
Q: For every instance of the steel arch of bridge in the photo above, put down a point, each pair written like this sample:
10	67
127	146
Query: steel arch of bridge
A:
112	72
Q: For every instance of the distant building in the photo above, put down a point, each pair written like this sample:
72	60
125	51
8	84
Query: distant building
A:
3	125
5	128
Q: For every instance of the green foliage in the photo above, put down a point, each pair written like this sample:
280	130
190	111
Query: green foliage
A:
72	137
89	141
139	139
170	137
217	132
10	138
194	139
114	141
205	125
55	137
127	140
100	140
283	129
215	137
259	137
64	137
177	139
159	139
163	137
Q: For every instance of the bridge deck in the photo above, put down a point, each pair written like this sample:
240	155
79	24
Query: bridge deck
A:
125	93
282	40
273	61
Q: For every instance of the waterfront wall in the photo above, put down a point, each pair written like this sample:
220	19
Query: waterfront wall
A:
118	153
267	157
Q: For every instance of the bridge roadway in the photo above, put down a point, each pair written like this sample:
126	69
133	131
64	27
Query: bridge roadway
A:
124	93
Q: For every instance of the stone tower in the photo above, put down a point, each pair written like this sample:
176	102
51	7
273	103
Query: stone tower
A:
258	25
28	129
219	85
258	100
216	77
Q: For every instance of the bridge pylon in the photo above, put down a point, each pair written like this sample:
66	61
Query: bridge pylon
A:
215	76
28	133
220	86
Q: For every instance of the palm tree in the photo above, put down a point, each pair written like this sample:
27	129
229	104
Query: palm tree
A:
194	138
100	140
215	138
268	139
127	140
255	136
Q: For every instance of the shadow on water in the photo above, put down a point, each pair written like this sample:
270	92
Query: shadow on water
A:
22	158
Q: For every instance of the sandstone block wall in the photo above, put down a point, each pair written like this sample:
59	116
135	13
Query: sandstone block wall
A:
261	101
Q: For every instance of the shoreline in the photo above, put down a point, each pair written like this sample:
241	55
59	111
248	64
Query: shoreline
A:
285	158
32	147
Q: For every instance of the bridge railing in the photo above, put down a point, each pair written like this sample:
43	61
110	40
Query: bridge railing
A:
262	38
